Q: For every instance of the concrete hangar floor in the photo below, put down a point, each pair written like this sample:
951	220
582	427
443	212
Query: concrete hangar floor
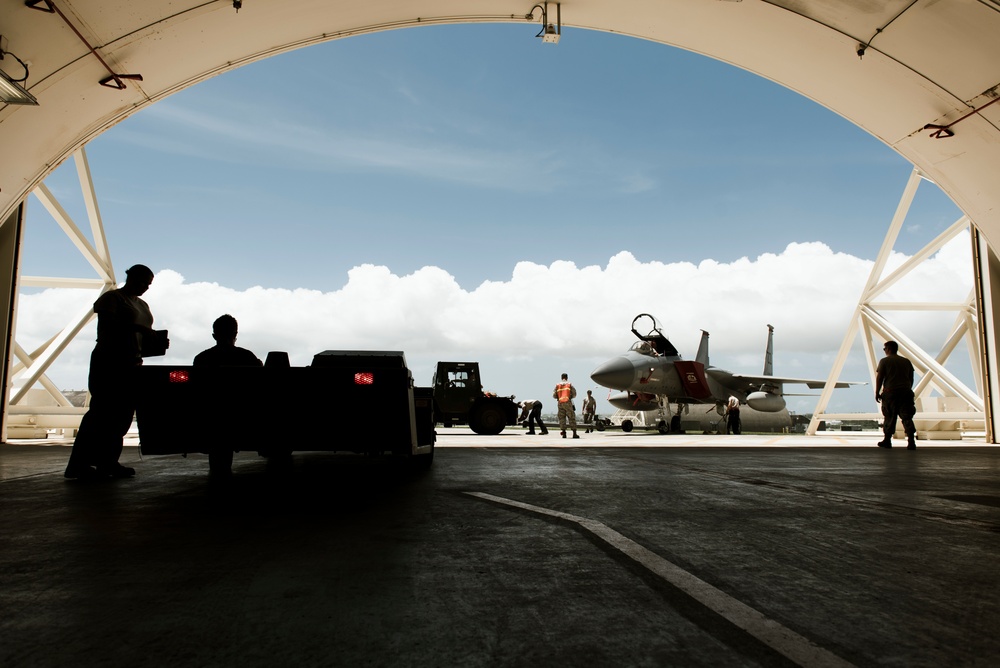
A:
614	550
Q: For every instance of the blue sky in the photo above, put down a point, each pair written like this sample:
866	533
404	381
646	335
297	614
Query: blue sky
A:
472	149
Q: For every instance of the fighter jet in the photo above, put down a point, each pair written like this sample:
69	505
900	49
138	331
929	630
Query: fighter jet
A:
652	375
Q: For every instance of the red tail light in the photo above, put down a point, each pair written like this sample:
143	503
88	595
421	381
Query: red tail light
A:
364	378
179	376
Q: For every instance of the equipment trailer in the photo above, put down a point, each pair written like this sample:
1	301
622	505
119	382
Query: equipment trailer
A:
219	411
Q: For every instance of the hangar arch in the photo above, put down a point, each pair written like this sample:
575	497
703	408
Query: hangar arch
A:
919	76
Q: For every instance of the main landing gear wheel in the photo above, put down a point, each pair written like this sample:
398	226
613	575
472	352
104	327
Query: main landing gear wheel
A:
626	426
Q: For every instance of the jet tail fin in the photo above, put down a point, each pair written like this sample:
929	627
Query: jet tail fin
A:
702	356
769	352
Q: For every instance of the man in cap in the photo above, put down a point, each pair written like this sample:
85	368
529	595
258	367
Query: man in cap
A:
893	389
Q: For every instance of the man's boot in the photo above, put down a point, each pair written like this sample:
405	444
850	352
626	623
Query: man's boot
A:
531	432
885	443
544	431
575	435
563	433
911	441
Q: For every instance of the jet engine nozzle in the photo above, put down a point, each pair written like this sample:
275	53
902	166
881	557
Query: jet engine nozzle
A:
617	374
765	402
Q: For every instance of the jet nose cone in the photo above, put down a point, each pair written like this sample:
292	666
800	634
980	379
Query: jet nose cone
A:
617	373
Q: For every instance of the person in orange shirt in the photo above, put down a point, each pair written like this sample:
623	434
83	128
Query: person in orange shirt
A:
564	394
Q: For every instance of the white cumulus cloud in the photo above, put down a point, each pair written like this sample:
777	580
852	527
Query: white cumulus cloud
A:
543	320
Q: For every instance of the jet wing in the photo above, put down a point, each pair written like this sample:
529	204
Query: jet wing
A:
811	383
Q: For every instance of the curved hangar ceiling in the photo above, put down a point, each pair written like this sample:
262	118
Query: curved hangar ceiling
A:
892	67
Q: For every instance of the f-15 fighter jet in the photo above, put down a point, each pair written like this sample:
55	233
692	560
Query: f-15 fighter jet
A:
652	373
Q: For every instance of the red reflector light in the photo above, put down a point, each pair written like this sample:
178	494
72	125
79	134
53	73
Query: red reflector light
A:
179	376
364	378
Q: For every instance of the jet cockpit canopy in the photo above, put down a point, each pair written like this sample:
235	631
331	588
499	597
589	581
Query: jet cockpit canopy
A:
655	338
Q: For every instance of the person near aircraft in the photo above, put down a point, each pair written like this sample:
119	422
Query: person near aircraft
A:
893	389
564	394
733	424
531	410
225	352
124	328
589	410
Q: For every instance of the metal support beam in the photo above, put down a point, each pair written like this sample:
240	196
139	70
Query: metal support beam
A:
868	319
28	369
11	235
987	288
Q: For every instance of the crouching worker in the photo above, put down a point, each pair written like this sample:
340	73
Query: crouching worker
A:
532	410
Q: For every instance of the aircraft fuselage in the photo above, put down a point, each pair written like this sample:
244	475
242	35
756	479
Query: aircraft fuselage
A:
645	373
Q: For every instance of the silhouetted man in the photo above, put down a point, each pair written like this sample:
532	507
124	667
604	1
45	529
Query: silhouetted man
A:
123	322
225	352
893	388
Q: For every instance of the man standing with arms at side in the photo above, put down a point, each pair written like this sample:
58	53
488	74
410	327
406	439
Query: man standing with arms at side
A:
589	410
564	394
893	389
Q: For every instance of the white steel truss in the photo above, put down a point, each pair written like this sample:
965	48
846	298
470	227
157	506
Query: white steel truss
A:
28	368
869	319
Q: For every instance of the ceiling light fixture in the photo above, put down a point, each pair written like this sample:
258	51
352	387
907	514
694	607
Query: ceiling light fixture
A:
550	32
13	93
11	90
